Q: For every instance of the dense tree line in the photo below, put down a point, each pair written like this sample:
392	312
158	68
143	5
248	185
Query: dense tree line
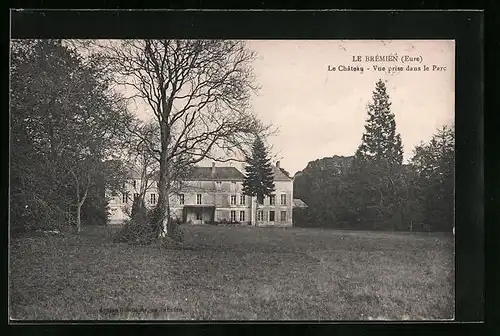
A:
373	189
66	123
322	185
69	126
433	184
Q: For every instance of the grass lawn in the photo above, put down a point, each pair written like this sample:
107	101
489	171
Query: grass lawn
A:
228	273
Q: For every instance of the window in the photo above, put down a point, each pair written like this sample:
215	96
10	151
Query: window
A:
134	183
283	216
243	199
242	216
283	199
136	195
181	199
198	198
260	215
233	199
198	215
272	200
125	197
233	216
271	216
260	200
153	198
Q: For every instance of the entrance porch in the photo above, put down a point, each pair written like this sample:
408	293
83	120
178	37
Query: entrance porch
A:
198	214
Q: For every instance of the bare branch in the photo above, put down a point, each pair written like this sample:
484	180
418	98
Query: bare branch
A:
198	91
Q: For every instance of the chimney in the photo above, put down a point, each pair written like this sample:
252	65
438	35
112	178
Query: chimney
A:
213	168
277	164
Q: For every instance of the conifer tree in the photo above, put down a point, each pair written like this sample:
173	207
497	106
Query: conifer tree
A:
380	142
259	175
434	164
378	166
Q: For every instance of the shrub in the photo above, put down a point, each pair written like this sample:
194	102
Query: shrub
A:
139	211
145	227
139	229
154	217
175	237
177	234
135	232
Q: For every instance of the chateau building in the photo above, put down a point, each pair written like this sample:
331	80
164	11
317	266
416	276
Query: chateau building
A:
214	194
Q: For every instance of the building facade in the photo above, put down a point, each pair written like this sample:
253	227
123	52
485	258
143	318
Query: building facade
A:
214	194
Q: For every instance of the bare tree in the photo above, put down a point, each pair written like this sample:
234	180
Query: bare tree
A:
141	155
198	92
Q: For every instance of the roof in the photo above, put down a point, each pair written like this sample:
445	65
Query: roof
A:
228	173
279	175
221	174
298	203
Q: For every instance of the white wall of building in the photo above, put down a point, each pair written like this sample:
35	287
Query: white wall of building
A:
213	193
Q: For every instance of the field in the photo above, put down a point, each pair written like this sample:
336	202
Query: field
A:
228	273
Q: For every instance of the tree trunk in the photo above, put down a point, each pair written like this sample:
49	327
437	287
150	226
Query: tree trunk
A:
78	217
69	215
79	209
162	197
79	202
164	225
167	223
164	187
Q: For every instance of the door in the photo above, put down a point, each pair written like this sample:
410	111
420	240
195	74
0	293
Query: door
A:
271	216
199	216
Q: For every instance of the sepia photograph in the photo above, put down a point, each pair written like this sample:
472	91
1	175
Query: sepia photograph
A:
213	179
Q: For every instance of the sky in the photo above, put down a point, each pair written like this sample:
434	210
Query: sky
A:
320	112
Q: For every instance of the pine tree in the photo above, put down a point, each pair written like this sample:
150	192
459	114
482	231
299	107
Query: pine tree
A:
377	166
259	175
434	165
380	142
